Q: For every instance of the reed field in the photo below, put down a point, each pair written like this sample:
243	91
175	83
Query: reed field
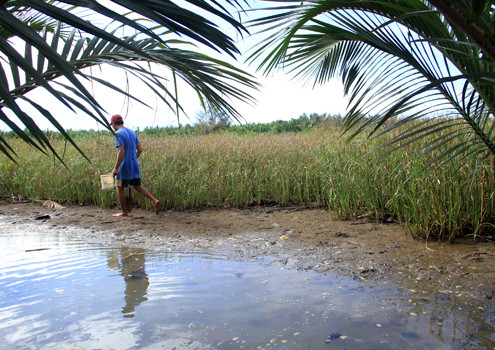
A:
317	168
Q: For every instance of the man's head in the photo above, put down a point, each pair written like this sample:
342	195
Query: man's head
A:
116	121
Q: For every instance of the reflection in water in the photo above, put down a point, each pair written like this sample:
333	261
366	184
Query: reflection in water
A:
76	295
131	263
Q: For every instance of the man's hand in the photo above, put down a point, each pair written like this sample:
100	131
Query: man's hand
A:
115	172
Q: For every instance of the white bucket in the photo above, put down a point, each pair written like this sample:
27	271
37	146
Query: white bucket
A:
107	181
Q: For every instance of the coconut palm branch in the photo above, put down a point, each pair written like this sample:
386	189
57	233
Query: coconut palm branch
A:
399	58
68	43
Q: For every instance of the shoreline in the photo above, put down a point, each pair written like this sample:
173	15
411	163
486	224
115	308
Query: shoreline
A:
294	238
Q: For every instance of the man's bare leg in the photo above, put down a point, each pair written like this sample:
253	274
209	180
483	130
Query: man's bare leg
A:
121	197
156	203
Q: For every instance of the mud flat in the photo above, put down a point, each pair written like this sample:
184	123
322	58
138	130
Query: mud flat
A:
298	238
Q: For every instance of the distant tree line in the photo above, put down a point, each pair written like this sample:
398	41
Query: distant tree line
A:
208	123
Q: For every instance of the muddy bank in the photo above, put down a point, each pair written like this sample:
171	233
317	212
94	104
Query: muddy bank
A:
289	237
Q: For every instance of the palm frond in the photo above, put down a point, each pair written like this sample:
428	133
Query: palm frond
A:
397	59
53	52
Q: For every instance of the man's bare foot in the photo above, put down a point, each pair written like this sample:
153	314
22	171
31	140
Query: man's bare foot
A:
157	206
118	215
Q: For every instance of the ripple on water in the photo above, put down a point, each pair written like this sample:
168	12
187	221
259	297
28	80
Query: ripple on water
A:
56	292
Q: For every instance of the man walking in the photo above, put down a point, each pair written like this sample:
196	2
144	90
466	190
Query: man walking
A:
127	171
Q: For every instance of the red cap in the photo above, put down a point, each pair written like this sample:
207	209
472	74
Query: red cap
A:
116	118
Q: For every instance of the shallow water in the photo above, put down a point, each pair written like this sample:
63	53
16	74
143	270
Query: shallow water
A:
57	292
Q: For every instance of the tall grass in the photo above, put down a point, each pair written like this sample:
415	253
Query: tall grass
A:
317	168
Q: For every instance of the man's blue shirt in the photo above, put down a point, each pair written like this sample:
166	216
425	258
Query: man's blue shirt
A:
129	169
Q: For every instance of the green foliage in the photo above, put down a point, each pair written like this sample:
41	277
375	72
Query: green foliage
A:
54	41
403	59
212	120
301	124
314	168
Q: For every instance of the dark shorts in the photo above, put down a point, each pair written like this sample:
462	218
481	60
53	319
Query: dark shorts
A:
127	183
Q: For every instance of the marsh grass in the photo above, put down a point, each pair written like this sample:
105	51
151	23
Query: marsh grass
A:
316	169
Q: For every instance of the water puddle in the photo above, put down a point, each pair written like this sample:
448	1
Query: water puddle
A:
60	293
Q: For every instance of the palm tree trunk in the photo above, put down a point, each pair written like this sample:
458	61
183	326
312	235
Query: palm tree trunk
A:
467	22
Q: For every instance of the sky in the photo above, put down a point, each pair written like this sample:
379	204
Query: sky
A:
279	98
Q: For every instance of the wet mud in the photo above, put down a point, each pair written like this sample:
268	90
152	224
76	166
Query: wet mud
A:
296	238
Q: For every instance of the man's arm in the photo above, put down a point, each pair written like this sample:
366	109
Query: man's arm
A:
120	159
139	149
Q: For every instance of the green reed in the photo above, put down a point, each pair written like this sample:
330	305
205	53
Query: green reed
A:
317	168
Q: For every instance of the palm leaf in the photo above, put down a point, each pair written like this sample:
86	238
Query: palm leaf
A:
212	78
396	59
215	80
